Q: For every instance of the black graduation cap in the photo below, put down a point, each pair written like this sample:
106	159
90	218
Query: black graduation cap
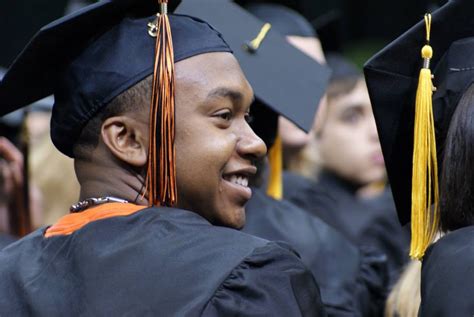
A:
283	78
341	67
330	30
84	60
392	78
19	21
283	19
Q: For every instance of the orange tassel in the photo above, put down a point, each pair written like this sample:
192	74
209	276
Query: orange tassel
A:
161	153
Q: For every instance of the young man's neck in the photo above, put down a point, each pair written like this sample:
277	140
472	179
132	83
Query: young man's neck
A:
101	181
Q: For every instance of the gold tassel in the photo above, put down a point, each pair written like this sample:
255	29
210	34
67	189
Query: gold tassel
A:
424	218
275	158
161	152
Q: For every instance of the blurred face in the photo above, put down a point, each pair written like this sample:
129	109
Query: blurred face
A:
215	146
348	139
293	138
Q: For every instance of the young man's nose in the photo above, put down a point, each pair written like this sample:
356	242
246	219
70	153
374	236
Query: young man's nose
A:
250	145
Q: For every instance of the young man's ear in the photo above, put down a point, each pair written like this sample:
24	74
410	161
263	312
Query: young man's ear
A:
127	139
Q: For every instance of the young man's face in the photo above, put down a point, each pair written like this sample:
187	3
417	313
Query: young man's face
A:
348	140
215	146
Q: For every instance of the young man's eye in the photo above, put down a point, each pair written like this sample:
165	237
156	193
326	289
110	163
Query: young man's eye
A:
224	114
352	116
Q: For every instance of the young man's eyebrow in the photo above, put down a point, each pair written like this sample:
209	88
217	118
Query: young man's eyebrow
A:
235	95
356	106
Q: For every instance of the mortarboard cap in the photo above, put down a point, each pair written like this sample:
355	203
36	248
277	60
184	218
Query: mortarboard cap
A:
20	20
83	59
330	29
392	78
282	77
284	20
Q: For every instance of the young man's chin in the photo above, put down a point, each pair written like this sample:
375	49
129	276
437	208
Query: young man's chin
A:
232	218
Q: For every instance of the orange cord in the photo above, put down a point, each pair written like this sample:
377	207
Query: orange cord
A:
162	118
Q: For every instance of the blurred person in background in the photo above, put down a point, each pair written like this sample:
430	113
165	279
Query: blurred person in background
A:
52	185
347	148
352	280
11	190
20	200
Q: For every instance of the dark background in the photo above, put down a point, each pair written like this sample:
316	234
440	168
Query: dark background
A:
357	28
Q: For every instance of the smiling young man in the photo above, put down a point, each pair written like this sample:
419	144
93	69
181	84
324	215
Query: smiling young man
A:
215	147
113	255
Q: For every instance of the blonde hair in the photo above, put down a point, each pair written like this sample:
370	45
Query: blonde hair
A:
404	299
53	174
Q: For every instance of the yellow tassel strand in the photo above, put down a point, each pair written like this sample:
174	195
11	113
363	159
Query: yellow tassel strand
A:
254	44
275	182
424	216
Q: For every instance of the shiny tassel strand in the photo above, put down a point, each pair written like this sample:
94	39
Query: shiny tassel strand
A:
275	158
161	153
424	216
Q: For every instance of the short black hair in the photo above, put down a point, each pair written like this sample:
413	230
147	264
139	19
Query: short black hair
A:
133	99
457	179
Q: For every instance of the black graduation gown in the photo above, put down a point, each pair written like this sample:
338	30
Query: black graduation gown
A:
352	283
5	240
365	222
156	262
447	276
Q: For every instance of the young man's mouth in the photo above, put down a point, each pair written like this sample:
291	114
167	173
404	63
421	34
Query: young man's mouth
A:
238	183
240	180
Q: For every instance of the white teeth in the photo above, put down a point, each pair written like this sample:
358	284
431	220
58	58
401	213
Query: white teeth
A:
239	180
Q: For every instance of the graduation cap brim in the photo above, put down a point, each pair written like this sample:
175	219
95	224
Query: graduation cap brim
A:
59	42
392	78
282	77
21	19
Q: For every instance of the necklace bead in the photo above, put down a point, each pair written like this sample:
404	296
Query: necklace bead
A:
89	202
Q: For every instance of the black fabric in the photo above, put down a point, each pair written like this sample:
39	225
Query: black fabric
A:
352	281
157	262
264	122
447	276
386	233
285	20
392	79
5	240
86	69
365	223
307	195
